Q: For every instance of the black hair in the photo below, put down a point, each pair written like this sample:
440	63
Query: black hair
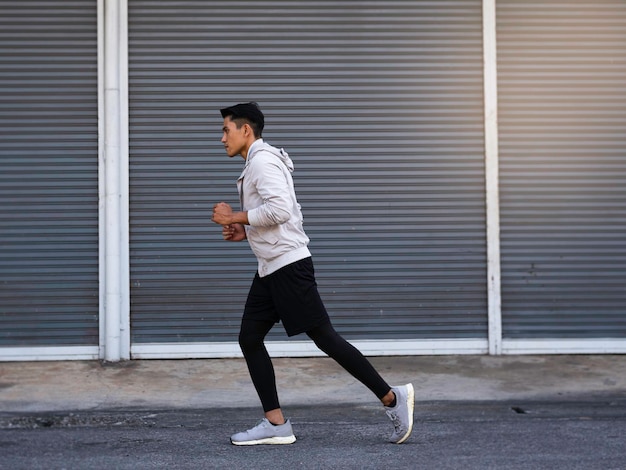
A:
246	113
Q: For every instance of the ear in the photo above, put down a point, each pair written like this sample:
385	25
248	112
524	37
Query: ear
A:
249	131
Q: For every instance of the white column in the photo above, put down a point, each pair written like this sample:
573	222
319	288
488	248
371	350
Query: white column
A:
124	182
114	271
492	177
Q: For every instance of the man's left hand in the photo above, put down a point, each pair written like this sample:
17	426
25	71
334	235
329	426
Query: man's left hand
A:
222	214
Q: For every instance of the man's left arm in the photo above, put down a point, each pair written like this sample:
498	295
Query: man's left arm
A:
272	187
223	214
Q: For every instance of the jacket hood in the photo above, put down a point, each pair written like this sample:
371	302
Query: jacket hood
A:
280	153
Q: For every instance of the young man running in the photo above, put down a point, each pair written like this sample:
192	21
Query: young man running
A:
284	287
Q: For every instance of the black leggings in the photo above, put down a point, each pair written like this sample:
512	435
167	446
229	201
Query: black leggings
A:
259	363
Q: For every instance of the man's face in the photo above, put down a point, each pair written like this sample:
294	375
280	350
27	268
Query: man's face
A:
234	139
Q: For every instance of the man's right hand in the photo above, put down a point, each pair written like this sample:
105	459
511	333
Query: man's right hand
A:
234	232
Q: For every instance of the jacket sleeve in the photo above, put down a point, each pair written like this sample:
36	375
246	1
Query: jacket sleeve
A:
272	186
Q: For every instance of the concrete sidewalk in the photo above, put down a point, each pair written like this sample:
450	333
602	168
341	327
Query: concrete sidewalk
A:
213	383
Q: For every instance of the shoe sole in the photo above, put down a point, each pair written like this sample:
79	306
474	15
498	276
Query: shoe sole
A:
267	440
411	400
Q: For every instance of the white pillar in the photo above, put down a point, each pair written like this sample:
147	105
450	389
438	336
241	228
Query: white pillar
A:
124	182
114	272
492	177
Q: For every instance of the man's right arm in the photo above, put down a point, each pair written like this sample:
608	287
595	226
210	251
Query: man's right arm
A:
234	232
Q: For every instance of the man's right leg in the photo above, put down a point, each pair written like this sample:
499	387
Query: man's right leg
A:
273	429
251	341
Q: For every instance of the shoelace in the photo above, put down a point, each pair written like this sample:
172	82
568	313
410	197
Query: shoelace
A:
255	426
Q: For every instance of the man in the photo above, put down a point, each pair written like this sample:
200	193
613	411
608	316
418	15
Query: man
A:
284	287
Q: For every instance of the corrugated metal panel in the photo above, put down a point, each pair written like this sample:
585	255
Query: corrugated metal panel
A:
48	173
562	94
380	106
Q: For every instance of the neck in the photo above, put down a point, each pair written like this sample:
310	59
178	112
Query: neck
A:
246	151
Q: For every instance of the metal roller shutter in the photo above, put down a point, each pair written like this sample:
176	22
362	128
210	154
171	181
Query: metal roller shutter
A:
48	173
562	96
380	106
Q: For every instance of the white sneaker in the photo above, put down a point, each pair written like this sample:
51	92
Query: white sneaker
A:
401	415
265	433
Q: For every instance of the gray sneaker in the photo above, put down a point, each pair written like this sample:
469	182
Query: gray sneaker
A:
401	415
265	433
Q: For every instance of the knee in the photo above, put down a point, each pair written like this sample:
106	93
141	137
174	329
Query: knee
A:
324	337
250	339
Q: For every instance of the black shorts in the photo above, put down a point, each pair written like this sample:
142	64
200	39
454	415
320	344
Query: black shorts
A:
289	295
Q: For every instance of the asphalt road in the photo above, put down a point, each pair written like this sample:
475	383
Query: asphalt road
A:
583	434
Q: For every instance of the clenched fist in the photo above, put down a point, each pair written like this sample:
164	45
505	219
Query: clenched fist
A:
222	214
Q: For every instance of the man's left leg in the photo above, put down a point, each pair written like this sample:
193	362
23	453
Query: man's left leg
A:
399	401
